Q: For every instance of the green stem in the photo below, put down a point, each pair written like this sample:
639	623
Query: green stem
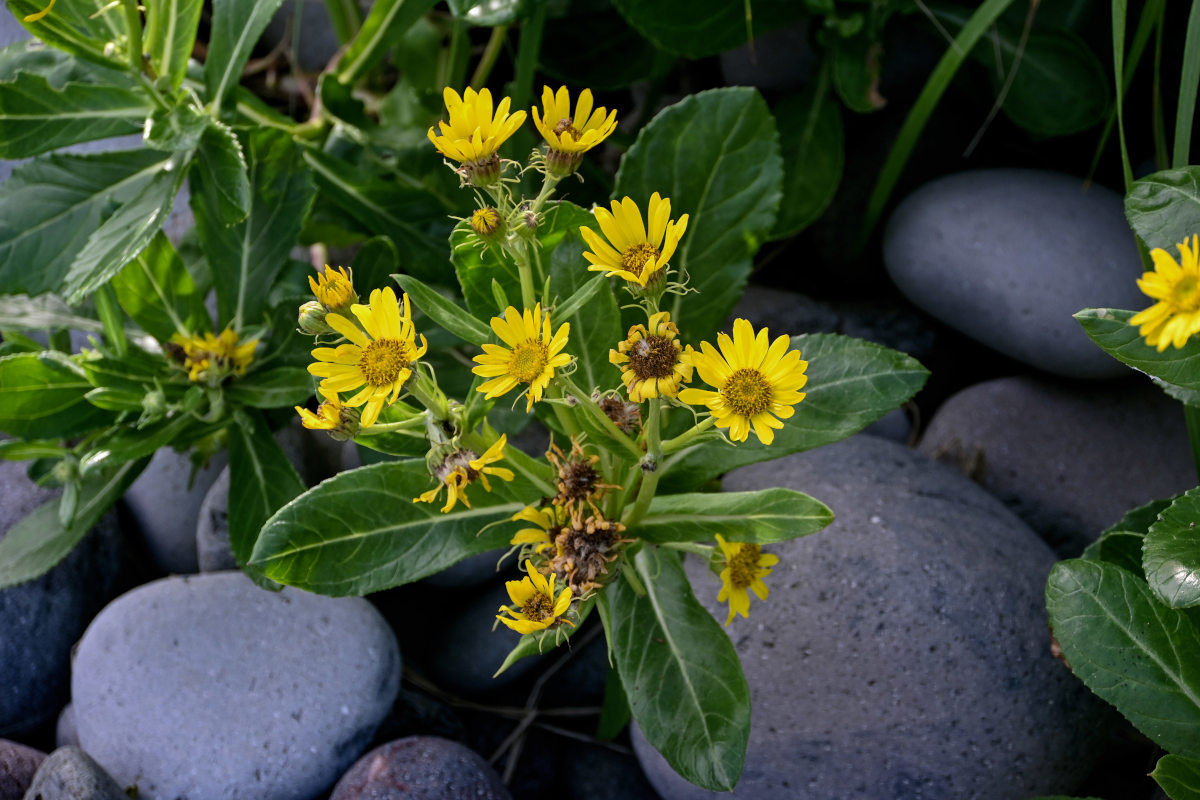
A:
133	23
520	256
602	420
490	53
544	195
427	393
684	439
704	550
1192	415
460	51
569	425
1119	10
1188	83
346	17
404	426
529	47
652	462
1158	124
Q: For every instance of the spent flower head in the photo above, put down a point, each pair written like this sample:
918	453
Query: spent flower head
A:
546	520
1176	287
461	468
745	567
629	248
535	606
651	360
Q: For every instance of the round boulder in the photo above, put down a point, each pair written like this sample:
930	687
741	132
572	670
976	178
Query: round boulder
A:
420	768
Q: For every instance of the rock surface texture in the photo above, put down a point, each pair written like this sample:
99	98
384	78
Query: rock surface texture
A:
209	687
420	768
18	764
1008	255
71	774
903	652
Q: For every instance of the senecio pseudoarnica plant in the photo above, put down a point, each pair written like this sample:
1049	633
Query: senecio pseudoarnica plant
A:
638	425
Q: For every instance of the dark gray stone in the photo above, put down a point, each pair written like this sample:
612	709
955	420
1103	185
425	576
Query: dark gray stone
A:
40	620
1069	459
472	571
1008	255
598	773
903	651
71	774
18	764
779	60
209	687
420	768
465	653
213	553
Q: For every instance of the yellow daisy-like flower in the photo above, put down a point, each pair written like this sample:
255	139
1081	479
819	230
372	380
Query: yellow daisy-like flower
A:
334	289
462	468
332	416
548	520
633	251
475	131
569	137
531	357
745	567
534	604
756	382
1176	287
650	359
378	362
210	359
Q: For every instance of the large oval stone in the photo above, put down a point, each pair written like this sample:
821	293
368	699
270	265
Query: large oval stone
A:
1007	256
903	652
209	687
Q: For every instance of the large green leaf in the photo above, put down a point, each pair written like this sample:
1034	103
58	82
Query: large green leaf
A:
361	532
1164	208
22	313
246	257
697	28
82	27
770	515
36	117
42	397
57	67
1178	776
50	206
716	156
39	541
680	673
851	383
449	316
384	26
170	36
225	179
1109	328
1131	650
1171	553
261	480
236	26
158	293
272	388
810	136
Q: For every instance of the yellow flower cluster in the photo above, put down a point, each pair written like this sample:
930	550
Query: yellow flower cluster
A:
210	359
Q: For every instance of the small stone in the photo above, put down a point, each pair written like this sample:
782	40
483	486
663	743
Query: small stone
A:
71	774
598	773
18	764
1070	459
1007	256
208	687
420	768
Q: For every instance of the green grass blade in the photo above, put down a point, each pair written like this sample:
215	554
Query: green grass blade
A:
1119	12
1189	83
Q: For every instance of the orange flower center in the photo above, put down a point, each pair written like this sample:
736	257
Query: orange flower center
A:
382	361
747	392
528	360
653	357
636	256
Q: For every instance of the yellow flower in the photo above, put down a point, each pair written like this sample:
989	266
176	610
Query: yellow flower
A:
379	361
475	131
569	137
650	359
629	252
210	359
548	520
487	222
1176	287
531	357
756	383
342	423
462	468
745	567
534	605
35	17
334	288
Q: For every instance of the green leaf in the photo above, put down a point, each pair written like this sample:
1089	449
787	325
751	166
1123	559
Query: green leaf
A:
614	710
177	128
272	388
261	481
1178	776
81	28
857	62
385	24
21	312
361	532
715	155
1109	328
170	36
38	542
126	232
1132	651
770	515
50	206
1164	208
236	26
225	178
35	117
680	672
374	264
247	257
129	444
697	28
1121	544
851	383
810	136
158	293
42	397
445	313
57	67
1171	553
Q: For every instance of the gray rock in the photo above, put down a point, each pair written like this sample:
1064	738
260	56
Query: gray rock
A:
1008	255
213	553
11	29
1068	459
40	620
420	768
209	687
65	734
71	774
165	501
903	652
18	764
472	571
598	773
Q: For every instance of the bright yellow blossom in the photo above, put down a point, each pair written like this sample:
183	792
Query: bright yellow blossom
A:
745	567
650	359
531	357
534	604
462	468
1176	287
332	416
210	359
632	251
569	137
475	131
334	289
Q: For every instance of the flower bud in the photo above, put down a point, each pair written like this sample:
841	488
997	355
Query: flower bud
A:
487	223
312	319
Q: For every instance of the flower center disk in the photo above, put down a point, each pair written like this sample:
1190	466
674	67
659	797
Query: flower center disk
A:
382	361
747	392
566	126
636	255
653	357
1187	293
743	566
528	360
538	607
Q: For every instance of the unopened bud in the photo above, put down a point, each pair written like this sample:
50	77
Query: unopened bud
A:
487	223
312	319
